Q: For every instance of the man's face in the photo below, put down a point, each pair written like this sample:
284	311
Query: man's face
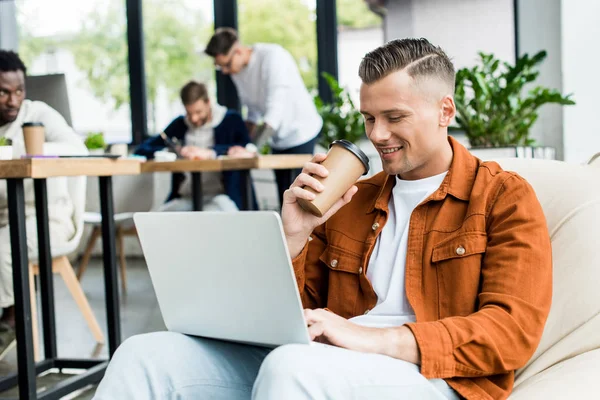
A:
12	94
230	63
407	123
198	113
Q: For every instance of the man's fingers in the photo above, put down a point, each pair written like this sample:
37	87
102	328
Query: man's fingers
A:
294	193
312	168
349	194
316	330
306	180
318	158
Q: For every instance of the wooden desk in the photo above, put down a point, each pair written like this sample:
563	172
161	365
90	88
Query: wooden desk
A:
15	171
244	165
50	167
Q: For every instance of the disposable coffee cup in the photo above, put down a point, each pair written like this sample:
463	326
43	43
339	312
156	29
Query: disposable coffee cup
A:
34	137
345	163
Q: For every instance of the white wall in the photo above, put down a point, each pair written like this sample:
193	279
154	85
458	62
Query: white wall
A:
352	45
580	62
461	27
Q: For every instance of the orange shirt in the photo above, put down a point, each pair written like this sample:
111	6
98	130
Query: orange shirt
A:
478	271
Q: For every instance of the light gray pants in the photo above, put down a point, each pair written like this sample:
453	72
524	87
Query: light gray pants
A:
167	365
221	202
60	234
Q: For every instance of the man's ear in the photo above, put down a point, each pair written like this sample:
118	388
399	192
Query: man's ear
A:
447	111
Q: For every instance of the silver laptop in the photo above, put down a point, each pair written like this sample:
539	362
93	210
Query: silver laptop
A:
223	275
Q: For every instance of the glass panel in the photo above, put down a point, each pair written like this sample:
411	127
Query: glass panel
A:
85	41
175	34
289	23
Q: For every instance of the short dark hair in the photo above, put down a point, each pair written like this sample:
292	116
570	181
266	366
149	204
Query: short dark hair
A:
420	58
221	42
10	61
192	92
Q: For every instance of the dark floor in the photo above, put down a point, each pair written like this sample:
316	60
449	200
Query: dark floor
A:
139	314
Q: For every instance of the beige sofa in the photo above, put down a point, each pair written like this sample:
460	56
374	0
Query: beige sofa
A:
566	364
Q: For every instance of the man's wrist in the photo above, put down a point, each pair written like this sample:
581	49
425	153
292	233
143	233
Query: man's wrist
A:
399	342
296	244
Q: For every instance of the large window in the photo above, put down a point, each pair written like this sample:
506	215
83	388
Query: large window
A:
289	23
175	34
85	41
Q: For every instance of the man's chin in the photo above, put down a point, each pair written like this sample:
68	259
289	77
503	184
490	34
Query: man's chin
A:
7	119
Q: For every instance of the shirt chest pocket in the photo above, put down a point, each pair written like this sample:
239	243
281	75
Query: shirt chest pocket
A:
344	270
457	261
459	246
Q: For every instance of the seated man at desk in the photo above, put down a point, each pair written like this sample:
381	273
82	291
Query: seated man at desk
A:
208	130
14	111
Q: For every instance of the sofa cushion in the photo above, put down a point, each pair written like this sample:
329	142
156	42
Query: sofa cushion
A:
576	378
570	197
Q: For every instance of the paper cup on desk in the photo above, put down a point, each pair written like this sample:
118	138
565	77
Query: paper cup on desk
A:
345	163
34	136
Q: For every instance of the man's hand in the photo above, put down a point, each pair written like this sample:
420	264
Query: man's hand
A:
198	153
240	152
250	126
397	342
297	223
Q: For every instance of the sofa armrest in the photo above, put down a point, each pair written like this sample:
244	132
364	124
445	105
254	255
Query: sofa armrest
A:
575	378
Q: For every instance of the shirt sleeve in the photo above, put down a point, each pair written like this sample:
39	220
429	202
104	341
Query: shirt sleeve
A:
253	115
311	276
506	329
278	66
58	133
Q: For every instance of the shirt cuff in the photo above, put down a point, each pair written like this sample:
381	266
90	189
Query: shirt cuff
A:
435	345
299	261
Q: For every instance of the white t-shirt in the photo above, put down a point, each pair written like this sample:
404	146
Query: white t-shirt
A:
204	136
272	89
61	139
388	261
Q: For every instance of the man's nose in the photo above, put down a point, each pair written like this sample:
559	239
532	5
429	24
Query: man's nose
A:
379	132
13	100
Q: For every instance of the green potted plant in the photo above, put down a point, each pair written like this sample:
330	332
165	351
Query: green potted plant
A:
6	150
494	108
95	143
341	119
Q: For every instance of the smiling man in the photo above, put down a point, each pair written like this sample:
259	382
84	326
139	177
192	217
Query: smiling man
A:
60	139
430	280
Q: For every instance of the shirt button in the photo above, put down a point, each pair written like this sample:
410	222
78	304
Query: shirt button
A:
360	270
334	263
310	238
375	226
366	312
460	250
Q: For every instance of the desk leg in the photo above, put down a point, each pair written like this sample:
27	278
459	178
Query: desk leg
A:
197	191
247	197
110	264
20	265
45	267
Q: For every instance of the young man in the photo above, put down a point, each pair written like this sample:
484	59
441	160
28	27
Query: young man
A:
436	273
269	84
14	111
206	131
